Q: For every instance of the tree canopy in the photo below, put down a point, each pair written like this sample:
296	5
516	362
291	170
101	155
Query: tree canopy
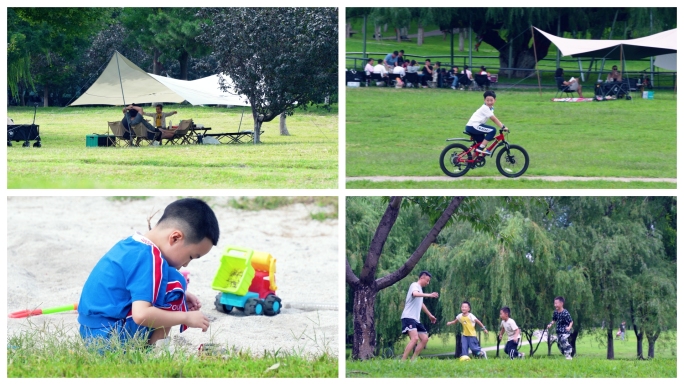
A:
279	58
610	257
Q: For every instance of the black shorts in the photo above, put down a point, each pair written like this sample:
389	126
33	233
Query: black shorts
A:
408	324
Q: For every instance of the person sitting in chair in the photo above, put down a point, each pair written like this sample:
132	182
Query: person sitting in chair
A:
572	84
614	75
133	114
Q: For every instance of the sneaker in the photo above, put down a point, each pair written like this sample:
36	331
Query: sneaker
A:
461	89
483	354
522	356
483	151
155	143
453	88
568	357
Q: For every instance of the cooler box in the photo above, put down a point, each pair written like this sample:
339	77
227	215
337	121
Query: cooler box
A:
648	95
96	140
353	84
235	273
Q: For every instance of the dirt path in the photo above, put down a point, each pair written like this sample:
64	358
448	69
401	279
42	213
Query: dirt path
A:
544	178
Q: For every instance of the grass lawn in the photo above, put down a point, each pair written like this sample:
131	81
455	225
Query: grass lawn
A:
68	358
392	132
306	159
589	362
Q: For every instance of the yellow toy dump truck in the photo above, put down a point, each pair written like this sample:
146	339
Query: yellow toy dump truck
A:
246	281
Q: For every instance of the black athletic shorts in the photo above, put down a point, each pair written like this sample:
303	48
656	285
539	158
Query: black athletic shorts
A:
408	324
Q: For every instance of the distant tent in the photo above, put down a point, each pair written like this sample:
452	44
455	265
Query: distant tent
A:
658	44
122	82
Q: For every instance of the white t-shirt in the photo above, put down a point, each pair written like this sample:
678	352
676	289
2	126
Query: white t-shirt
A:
400	71
481	116
413	305
467	72
510	327
379	69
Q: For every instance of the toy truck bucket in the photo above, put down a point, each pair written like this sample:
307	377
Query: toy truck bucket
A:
265	262
235	273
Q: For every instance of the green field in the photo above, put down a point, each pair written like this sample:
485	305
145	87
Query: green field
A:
58	356
306	159
590	361
401	132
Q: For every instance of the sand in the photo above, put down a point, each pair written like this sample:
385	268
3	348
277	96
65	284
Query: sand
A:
53	243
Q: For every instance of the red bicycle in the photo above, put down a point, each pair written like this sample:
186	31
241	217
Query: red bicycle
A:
457	159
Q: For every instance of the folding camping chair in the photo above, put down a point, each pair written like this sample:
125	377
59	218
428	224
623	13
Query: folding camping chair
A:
562	88
118	131
482	81
140	132
181	135
412	78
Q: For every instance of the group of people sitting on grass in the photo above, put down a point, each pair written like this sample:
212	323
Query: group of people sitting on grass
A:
404	73
133	114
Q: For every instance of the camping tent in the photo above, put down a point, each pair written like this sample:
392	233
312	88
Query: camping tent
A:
122	82
658	44
668	62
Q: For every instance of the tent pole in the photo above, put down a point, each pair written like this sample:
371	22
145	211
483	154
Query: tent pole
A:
123	97
243	114
536	66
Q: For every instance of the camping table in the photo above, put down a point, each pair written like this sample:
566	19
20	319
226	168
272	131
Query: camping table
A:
233	137
196	133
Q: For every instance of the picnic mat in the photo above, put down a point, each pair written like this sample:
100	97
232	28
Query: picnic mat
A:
572	99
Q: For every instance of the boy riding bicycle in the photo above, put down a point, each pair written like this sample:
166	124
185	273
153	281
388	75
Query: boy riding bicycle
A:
476	125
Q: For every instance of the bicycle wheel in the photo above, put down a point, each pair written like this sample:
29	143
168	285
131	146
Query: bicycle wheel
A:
453	160
512	162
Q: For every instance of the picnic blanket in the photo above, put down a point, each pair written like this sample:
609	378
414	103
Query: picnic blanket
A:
572	99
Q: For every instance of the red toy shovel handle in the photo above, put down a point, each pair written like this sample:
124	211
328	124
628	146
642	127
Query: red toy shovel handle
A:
26	313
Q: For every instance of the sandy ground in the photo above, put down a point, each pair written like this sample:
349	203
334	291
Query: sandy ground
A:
53	243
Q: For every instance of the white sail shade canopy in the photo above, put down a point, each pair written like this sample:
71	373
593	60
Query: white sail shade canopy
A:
123	82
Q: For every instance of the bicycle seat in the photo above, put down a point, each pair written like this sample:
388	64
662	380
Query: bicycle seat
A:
467	133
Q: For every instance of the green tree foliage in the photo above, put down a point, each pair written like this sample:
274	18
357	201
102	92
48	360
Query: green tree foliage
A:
279	58
612	258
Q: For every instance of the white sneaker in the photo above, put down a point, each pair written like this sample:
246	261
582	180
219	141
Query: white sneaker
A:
522	356
483	354
453	88
568	357
155	143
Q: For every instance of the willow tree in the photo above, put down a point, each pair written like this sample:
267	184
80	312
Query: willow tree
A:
366	286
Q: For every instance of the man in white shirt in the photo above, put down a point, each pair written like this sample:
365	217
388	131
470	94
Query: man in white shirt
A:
380	69
410	317
369	67
401	70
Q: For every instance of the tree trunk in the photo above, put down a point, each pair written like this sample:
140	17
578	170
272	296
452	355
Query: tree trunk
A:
184	59
156	65
457	352
283	125
377	33
398	32
651	343
459	345
258	120
421	34
549	342
46	95
348	30
461	40
640	343
364	322
498	342
610	351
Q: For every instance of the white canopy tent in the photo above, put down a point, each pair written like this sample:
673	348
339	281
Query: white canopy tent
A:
658	44
667	62
122	82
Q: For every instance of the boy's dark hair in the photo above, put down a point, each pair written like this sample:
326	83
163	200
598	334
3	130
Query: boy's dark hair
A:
489	93
506	310
467	303
427	60
413	62
194	218
161	107
465	67
370	59
560	299
396	53
424	272
401	50
559	72
380	61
